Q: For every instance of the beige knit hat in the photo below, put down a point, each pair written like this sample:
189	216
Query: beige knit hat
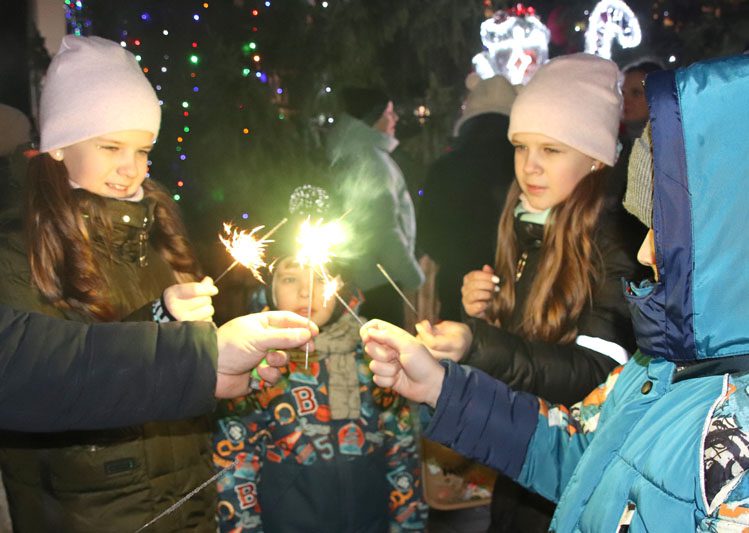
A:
94	86
575	99
491	95
638	199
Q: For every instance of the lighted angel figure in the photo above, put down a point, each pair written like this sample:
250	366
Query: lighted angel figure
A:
516	43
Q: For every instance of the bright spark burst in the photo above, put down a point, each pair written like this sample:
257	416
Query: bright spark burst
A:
317	241
246	248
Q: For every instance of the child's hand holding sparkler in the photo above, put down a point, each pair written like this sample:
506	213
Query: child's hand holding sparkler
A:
446	340
400	361
191	301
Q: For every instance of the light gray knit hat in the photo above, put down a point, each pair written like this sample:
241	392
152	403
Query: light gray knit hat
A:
638	199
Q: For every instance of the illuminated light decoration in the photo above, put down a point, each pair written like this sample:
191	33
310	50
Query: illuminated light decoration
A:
196	89
256	58
246	131
183	157
611	19
185	104
267	4
180	183
178	149
145	17
196	17
179	139
177	197
136	42
516	43
161	102
145	69
194	44
324	4
138	58
194	59
163	69
76	18
245	72
186	129
186	114
422	114
255	12
328	89
165	32
123	44
279	91
672	59
205	5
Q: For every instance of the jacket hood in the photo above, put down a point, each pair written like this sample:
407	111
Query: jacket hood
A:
698	309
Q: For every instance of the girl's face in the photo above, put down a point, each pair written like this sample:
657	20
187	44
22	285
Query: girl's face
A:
548	170
113	165
291	291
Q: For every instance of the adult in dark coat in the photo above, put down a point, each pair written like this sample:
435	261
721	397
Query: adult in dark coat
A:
465	190
53	371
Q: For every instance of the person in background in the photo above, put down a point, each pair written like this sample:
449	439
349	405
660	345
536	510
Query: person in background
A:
372	186
98	242
465	189
660	444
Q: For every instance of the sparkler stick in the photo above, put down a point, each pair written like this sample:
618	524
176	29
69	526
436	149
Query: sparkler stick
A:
309	312
246	249
397	289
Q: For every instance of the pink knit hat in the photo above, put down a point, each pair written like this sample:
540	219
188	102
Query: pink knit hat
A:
575	99
93	87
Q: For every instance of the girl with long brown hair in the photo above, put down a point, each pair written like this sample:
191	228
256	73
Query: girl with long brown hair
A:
98	241
550	318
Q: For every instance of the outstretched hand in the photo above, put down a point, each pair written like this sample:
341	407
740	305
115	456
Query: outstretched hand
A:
446	340
191	301
247	341
401	362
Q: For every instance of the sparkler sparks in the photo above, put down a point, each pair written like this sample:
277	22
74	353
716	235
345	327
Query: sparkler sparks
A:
246	249
316	248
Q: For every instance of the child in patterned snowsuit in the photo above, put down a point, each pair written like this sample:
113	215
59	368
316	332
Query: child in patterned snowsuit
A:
324	449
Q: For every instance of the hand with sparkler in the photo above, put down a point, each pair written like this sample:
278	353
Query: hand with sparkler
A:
445	340
401	362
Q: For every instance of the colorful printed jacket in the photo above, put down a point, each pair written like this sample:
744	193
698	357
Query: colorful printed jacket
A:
663	445
309	461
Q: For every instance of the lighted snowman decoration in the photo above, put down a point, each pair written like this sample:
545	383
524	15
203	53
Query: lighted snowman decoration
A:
516	43
611	19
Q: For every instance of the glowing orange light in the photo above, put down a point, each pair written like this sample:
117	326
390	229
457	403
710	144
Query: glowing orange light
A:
255	12
256	58
179	139
205	5
180	183
245	248
145	69
246	131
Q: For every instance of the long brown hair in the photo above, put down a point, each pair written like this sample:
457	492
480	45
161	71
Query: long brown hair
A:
569	270
59	241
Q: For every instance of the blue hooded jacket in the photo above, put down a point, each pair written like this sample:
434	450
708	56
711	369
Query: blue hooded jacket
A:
650	449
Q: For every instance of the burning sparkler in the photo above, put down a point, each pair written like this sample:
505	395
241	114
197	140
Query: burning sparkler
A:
330	290
316	243
246	249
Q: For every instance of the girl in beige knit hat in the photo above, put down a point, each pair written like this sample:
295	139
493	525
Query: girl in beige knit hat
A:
99	242
549	317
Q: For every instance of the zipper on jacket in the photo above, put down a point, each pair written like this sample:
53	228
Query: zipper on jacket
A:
142	246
